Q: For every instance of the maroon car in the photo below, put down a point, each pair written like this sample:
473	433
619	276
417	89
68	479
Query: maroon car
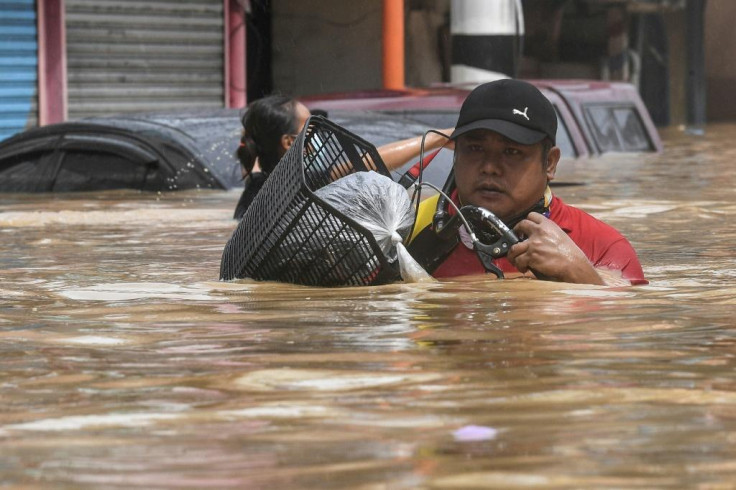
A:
594	117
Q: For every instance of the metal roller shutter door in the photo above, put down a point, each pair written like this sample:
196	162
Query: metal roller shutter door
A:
128	55
18	66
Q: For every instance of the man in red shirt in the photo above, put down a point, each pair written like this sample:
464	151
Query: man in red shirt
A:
504	160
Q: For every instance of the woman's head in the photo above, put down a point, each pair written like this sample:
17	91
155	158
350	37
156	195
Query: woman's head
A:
270	125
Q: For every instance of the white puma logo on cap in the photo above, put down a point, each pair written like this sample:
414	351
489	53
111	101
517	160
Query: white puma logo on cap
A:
517	111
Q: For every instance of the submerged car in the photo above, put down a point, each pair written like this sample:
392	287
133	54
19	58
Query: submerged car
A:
153	152
146	152
594	117
196	149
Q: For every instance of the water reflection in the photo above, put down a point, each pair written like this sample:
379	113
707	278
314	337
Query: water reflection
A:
125	363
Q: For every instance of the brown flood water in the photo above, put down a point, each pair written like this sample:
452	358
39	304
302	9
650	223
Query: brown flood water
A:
125	363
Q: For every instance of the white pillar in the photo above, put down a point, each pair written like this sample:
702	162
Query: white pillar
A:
486	39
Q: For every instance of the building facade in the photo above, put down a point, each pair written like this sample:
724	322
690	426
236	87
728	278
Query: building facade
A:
68	59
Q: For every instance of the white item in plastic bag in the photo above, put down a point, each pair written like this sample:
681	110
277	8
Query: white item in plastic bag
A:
410	269
382	207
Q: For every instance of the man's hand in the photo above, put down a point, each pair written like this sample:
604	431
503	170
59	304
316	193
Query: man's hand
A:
549	253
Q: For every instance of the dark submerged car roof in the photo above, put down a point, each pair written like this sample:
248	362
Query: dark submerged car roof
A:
211	136
168	152
192	149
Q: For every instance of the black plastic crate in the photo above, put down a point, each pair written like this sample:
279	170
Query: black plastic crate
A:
289	234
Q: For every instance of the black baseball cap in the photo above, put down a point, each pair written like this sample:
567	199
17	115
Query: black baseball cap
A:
512	108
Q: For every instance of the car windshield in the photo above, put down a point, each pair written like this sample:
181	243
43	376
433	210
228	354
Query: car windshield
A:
617	128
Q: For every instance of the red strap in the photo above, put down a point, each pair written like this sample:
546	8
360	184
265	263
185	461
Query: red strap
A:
414	171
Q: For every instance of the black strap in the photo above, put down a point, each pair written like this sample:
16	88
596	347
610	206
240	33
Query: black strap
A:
539	207
430	250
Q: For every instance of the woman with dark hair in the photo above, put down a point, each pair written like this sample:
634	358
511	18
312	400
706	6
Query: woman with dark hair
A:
270	126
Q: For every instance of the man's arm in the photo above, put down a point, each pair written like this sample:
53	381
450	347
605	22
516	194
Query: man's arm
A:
397	153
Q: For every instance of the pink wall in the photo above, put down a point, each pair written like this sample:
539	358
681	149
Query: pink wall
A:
235	66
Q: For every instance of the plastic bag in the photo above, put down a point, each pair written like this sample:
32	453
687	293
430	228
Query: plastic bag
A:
375	202
382	207
410	269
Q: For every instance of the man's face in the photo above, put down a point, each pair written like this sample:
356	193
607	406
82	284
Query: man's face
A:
503	176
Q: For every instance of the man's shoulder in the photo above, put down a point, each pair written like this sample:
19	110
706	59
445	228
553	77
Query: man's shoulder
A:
573	219
603	244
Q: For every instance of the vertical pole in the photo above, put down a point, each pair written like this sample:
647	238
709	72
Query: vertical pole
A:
52	83
655	81
235	65
696	84
618	44
393	44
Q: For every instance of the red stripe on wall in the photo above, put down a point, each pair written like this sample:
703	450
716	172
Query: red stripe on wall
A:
52	92
235	84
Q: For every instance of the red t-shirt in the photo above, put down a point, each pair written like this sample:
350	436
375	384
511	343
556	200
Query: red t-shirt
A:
604	246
